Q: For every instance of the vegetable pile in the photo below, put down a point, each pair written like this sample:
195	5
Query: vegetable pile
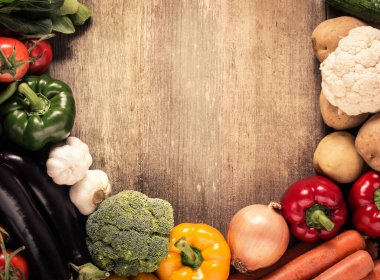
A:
58	219
42	17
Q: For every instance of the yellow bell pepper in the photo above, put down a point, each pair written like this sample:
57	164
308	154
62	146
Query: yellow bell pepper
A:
197	251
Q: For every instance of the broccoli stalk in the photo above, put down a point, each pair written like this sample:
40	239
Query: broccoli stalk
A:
89	271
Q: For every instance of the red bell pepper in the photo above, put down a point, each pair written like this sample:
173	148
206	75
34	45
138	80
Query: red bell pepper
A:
364	200
314	208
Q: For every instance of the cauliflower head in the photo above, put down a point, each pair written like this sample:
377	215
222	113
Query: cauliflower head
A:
351	74
129	233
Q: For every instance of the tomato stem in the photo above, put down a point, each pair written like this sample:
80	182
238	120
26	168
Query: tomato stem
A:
42	38
5	59
9	269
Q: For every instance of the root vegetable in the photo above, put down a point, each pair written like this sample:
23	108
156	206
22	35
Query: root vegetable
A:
368	142
337	158
353	267
326	35
336	118
375	274
289	255
258	236
312	263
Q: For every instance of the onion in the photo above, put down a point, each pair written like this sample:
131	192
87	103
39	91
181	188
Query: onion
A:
258	236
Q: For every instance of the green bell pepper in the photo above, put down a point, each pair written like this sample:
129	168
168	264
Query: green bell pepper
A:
42	111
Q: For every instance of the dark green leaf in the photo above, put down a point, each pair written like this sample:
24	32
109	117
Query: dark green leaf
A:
40	5
27	27
83	14
7	1
63	24
30	6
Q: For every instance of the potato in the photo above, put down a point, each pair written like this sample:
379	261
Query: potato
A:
337	158
326	35
335	118
368	142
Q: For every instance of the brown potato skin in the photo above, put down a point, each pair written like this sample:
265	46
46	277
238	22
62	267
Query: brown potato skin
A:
326	35
337	158
337	119
368	142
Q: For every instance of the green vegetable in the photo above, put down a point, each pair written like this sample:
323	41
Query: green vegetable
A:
42	111
63	24
8	92
368	10
129	233
39	6
41	17
89	271
80	17
69	7
25	26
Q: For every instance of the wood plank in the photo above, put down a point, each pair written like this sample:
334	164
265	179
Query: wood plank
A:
212	105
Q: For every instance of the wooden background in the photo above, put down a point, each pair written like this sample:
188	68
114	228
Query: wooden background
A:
212	105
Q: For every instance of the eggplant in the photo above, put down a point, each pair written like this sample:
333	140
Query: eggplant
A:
55	206
29	228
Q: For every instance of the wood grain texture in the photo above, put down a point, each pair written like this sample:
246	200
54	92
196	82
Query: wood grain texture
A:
212	105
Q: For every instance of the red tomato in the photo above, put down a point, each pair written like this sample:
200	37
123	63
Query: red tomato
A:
42	49
18	262
19	64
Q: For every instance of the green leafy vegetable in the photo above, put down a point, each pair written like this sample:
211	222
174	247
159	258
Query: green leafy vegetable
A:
69	7
41	17
30	6
24	26
80	17
63	24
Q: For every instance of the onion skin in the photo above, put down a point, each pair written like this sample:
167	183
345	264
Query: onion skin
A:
258	236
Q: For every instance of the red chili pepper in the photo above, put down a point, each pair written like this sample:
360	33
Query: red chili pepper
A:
364	200
314	208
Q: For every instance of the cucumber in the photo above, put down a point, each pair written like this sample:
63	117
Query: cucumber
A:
368	10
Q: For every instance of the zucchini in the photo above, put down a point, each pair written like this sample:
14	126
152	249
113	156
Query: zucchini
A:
368	10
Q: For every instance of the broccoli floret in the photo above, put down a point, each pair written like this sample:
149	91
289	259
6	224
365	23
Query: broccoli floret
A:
129	233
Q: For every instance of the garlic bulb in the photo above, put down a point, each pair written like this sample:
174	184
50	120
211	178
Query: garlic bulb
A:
90	191
68	163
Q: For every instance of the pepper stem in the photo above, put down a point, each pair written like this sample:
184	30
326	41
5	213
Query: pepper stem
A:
317	217
36	103
376	198
190	256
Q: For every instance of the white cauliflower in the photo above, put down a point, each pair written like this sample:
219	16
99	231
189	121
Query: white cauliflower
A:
351	74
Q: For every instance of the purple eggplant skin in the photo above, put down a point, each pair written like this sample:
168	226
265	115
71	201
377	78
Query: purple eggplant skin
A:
54	204
30	229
